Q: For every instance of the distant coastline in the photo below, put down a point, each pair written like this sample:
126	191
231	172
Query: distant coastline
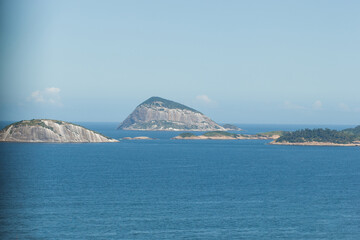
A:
320	137
354	144
222	135
45	130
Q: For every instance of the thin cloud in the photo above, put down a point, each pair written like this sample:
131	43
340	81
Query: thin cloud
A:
344	107
36	96
204	99
290	105
317	104
49	95
52	90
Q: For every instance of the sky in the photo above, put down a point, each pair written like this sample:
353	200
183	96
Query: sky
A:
285	62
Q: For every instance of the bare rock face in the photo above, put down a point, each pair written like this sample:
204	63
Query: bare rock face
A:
44	130
160	114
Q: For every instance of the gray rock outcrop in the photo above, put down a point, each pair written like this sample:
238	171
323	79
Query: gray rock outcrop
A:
44	130
161	114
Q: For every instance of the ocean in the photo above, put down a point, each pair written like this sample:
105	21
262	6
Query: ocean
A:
179	189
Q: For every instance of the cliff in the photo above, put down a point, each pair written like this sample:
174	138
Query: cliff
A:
161	114
44	130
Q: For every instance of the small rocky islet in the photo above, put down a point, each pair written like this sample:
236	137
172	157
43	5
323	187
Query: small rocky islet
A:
138	138
222	135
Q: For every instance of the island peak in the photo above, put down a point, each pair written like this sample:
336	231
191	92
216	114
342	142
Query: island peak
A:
159	114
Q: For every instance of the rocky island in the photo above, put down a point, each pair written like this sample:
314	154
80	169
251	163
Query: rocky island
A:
54	131
138	138
222	135
321	137
158	114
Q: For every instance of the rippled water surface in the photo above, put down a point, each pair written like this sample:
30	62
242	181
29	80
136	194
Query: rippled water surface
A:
173	189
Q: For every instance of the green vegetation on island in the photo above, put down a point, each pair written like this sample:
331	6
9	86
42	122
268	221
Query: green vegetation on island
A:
208	135
320	135
167	104
272	133
187	135
353	131
32	122
220	134
348	137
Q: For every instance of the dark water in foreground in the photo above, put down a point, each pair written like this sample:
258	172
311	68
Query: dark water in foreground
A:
168	189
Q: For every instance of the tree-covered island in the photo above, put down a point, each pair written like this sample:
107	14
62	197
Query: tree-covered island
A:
319	136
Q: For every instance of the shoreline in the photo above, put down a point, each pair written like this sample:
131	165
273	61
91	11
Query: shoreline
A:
171	130
357	144
201	137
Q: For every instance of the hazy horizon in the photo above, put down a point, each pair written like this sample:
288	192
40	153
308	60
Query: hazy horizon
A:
257	62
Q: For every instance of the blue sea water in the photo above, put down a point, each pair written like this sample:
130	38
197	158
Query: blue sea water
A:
179	189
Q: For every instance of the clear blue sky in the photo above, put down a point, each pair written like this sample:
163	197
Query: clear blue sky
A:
236	61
